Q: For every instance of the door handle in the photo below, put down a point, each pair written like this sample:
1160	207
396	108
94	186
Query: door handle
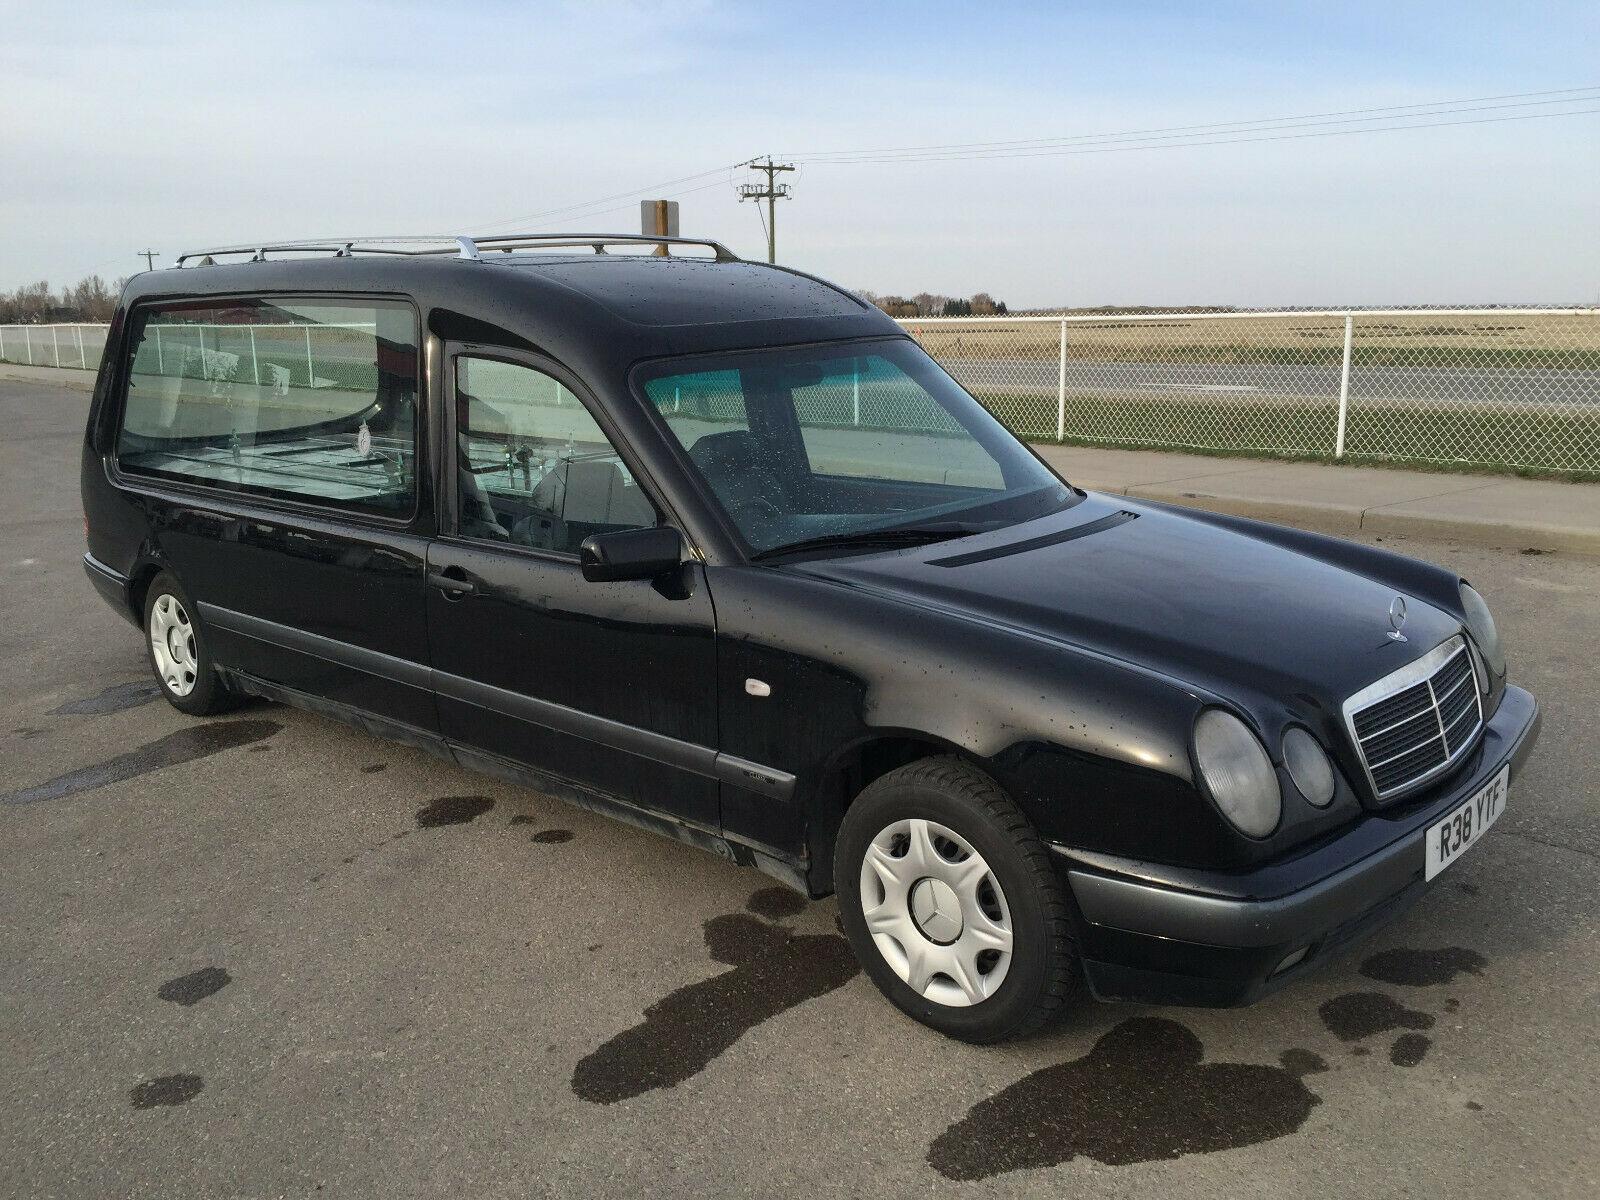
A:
453	582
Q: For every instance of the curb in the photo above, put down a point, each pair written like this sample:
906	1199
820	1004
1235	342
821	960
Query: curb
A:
67	377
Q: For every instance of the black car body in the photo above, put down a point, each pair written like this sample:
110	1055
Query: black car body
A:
743	695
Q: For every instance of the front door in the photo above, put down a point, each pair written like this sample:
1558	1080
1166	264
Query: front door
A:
607	685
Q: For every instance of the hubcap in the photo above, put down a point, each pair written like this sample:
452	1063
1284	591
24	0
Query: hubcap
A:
172	645
936	912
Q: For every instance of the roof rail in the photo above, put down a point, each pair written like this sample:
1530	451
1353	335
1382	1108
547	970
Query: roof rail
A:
458	246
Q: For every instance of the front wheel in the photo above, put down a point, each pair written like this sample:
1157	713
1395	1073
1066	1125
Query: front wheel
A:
178	653
951	903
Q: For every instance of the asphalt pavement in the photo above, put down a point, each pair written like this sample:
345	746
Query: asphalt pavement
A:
268	955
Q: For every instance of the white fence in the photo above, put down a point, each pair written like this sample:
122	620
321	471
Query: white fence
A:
1503	388
78	346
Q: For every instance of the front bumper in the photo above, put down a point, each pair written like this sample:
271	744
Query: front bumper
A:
1169	936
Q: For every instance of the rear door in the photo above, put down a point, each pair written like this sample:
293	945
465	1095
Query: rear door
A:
277	444
608	685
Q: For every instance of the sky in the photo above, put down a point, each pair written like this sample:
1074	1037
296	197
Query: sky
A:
123	127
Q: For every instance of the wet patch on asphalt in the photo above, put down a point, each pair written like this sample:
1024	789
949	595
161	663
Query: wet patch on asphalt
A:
374	768
1300	1063
776	903
115	698
194	987
774	969
1409	1049
183	745
1423	968
552	837
452	810
1358	1015
1142	1094
166	1092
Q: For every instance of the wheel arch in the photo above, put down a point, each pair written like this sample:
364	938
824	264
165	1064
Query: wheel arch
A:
850	770
140	578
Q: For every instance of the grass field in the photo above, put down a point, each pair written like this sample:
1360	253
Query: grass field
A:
1528	440
1556	342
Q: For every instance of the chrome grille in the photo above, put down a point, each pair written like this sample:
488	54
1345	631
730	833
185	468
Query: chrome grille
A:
1413	724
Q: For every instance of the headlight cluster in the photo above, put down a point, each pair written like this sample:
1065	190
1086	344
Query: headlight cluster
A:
1480	624
1238	774
1308	766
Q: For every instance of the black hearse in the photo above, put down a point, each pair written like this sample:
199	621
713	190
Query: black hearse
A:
716	548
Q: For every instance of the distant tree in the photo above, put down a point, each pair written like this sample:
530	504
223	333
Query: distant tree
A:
931	304
90	299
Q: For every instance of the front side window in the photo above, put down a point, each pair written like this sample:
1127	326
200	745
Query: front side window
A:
818	443
532	466
297	399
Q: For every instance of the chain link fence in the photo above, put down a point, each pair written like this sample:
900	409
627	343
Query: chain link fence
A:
1506	388
1501	388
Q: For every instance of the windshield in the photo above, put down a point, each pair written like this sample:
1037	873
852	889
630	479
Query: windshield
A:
825	442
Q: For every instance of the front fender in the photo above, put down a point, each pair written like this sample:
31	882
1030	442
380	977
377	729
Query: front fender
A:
1094	750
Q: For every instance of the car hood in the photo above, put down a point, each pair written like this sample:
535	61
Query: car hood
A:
1213	607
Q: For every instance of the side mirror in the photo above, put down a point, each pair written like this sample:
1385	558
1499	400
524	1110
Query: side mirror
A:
630	554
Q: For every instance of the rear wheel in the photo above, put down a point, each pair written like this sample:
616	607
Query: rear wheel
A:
951	903
177	651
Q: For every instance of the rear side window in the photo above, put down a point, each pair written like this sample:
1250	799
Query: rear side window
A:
300	399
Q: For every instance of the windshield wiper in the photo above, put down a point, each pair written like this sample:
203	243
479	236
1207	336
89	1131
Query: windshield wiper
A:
902	535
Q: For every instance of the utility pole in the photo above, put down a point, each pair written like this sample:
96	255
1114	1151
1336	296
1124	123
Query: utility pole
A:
773	192
149	257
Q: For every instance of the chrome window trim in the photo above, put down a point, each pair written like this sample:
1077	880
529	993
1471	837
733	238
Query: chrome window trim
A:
1420	670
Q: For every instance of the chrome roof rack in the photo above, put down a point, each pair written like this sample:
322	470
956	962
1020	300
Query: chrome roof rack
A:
472	249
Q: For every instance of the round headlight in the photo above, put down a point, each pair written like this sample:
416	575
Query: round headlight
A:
1308	767
1480	624
1237	772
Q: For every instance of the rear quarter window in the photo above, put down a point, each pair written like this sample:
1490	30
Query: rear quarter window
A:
312	400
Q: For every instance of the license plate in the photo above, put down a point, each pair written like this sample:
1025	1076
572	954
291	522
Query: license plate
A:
1453	834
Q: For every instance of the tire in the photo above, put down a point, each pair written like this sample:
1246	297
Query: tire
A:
175	646
997	877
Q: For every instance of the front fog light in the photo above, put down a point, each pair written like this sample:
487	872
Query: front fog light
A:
1237	772
1308	767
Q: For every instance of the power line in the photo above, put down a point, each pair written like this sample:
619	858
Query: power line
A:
565	211
1226	141
1191	139
599	211
1398	111
1266	129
